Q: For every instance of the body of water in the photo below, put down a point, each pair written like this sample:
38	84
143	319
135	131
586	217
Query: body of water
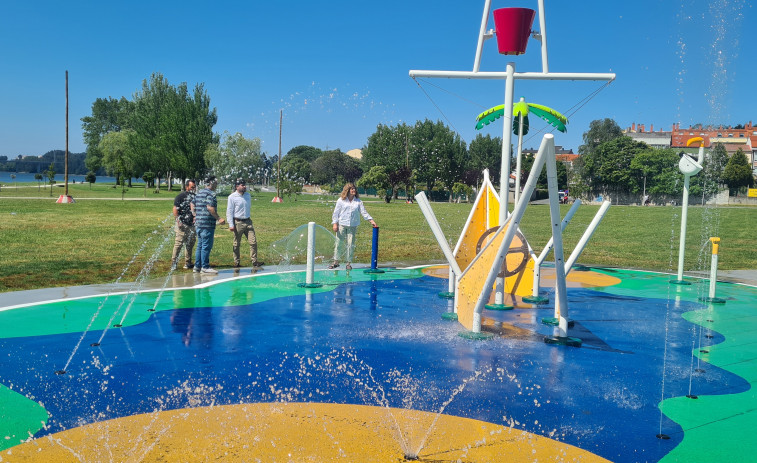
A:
24	177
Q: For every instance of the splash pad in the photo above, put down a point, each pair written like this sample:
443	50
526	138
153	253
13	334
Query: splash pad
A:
365	368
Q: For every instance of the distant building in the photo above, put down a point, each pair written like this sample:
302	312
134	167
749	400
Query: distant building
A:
558	151
561	154
356	153
731	138
659	139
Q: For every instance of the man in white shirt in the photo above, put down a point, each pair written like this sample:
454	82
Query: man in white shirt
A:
240	223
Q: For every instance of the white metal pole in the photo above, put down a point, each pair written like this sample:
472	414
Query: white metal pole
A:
507	123
499	75
561	298
520	154
311	254
586	236
539	260
714	266
437	231
684	214
546	149
504	175
481	36
543	33
713	275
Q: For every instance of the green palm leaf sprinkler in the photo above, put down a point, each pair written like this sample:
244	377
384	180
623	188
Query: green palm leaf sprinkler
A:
521	110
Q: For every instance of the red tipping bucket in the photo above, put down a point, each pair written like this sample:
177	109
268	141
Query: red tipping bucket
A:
513	26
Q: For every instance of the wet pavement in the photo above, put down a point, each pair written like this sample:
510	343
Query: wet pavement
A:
183	346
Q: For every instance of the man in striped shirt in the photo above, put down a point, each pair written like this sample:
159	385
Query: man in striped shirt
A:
204	206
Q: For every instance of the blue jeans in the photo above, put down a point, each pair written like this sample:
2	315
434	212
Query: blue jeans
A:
204	246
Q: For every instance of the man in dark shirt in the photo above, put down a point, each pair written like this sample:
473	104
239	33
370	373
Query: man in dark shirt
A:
185	228
204	206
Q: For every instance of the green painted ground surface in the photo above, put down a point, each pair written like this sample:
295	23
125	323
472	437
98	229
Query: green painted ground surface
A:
717	427
22	418
97	313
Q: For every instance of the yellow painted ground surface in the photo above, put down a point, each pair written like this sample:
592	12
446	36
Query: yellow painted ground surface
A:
296	432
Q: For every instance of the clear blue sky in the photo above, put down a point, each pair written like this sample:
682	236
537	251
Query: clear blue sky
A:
339	68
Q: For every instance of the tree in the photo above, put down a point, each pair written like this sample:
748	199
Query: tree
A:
389	147
378	179
50	172
118	157
291	182
608	167
657	173
600	131
236	157
485	152
437	154
710	180
297	167
307	153
90	178
172	129
148	177
108	115
737	173
542	181
38	178
460	189
334	168
195	133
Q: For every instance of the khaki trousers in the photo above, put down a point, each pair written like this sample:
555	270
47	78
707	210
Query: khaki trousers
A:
185	236
245	228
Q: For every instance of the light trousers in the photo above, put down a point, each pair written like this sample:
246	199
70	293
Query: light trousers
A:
344	248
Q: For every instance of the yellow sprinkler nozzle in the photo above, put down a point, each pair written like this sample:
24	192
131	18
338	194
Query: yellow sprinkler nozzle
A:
691	141
715	244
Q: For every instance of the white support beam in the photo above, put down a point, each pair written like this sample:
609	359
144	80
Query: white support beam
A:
499	75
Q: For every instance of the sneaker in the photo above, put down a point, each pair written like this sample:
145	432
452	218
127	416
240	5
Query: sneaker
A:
209	270
196	269
348	267
236	265
333	265
188	266
258	264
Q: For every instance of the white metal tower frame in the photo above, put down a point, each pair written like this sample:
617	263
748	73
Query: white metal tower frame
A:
509	76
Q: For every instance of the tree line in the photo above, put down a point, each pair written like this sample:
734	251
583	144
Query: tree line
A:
166	132
614	164
163	132
39	164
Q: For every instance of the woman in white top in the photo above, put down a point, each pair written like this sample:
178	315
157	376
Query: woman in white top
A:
344	221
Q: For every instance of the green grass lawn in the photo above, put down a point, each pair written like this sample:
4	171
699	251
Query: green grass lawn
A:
47	244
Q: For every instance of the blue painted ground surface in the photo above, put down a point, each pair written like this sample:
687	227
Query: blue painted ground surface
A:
383	342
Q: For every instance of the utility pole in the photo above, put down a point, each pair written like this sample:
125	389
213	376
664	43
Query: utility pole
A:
66	168
277	199
65	198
